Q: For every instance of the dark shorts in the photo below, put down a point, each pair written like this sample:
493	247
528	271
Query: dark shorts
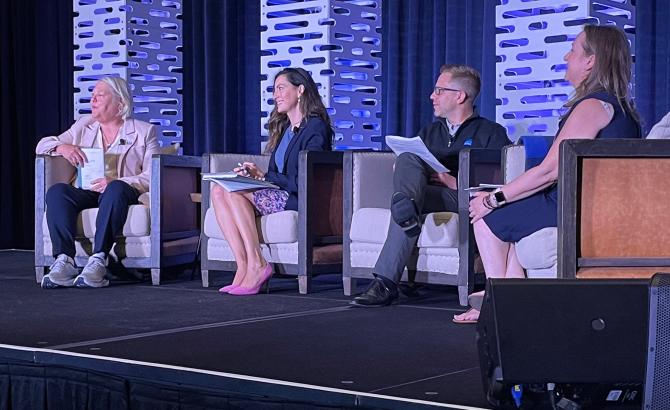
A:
270	200
518	219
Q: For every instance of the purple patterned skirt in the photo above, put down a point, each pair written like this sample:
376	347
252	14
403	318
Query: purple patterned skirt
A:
268	201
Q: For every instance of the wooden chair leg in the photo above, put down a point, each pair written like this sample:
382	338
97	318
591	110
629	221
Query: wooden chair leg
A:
349	285
463	295
304	284
39	273
155	277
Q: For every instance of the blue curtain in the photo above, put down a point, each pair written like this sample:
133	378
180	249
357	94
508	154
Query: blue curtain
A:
652	60
418	37
36	99
222	76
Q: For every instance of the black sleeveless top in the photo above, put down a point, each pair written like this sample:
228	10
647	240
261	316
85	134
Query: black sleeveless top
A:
623	125
521	218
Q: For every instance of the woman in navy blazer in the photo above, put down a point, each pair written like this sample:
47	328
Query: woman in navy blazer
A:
298	122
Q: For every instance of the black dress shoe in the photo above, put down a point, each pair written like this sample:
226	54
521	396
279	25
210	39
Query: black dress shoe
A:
380	293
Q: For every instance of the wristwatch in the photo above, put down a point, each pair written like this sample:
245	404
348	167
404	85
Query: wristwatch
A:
498	197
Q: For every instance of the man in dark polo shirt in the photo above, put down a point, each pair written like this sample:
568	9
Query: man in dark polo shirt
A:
417	188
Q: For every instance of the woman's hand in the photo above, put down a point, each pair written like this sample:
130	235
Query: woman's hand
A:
72	153
477	208
445	179
249	169
100	184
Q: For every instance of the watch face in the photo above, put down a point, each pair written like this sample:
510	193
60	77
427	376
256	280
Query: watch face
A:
500	197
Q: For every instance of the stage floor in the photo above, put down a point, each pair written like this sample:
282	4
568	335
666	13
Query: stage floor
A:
409	351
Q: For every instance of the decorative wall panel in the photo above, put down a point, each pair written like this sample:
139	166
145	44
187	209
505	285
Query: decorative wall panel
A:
338	42
140	41
531	39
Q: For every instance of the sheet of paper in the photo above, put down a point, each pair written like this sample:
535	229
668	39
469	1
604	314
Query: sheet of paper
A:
93	169
219	175
483	187
232	182
415	146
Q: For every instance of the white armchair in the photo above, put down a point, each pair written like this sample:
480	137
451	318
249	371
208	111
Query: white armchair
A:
445	248
161	231
302	243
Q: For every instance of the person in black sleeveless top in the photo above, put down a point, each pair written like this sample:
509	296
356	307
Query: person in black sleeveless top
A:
599	67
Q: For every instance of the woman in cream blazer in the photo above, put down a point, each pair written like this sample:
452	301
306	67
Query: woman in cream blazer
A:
128	145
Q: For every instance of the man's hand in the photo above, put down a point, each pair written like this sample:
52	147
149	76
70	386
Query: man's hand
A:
72	153
100	184
445	179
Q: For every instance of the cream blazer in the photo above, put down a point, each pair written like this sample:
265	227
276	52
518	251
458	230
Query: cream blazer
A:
661	130
138	143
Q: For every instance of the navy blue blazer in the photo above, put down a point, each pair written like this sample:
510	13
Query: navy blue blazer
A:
313	135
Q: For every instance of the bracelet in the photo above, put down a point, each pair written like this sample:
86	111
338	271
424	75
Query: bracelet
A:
487	203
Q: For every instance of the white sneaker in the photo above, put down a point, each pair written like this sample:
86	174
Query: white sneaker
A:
61	273
93	274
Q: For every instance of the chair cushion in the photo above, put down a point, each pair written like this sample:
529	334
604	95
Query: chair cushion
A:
539	249
280	227
138	222
440	230
370	225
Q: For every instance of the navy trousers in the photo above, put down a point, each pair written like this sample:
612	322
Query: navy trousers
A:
65	202
411	176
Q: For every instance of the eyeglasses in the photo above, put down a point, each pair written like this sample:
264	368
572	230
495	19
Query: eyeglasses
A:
440	90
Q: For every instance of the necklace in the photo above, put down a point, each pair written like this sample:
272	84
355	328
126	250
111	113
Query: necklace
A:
105	143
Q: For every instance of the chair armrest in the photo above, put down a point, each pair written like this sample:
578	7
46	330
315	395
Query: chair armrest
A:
226	162
368	179
513	162
320	195
475	166
173	179
49	170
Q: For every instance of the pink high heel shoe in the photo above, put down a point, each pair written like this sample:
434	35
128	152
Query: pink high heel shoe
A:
265	276
228	288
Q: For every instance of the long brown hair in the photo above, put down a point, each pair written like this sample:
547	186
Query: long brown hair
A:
310	105
611	71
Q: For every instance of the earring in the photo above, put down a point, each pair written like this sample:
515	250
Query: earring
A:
298	99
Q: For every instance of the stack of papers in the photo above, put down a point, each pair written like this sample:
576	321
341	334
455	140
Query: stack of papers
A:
415	146
483	187
232	182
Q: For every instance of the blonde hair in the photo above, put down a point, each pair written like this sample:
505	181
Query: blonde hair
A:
119	88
